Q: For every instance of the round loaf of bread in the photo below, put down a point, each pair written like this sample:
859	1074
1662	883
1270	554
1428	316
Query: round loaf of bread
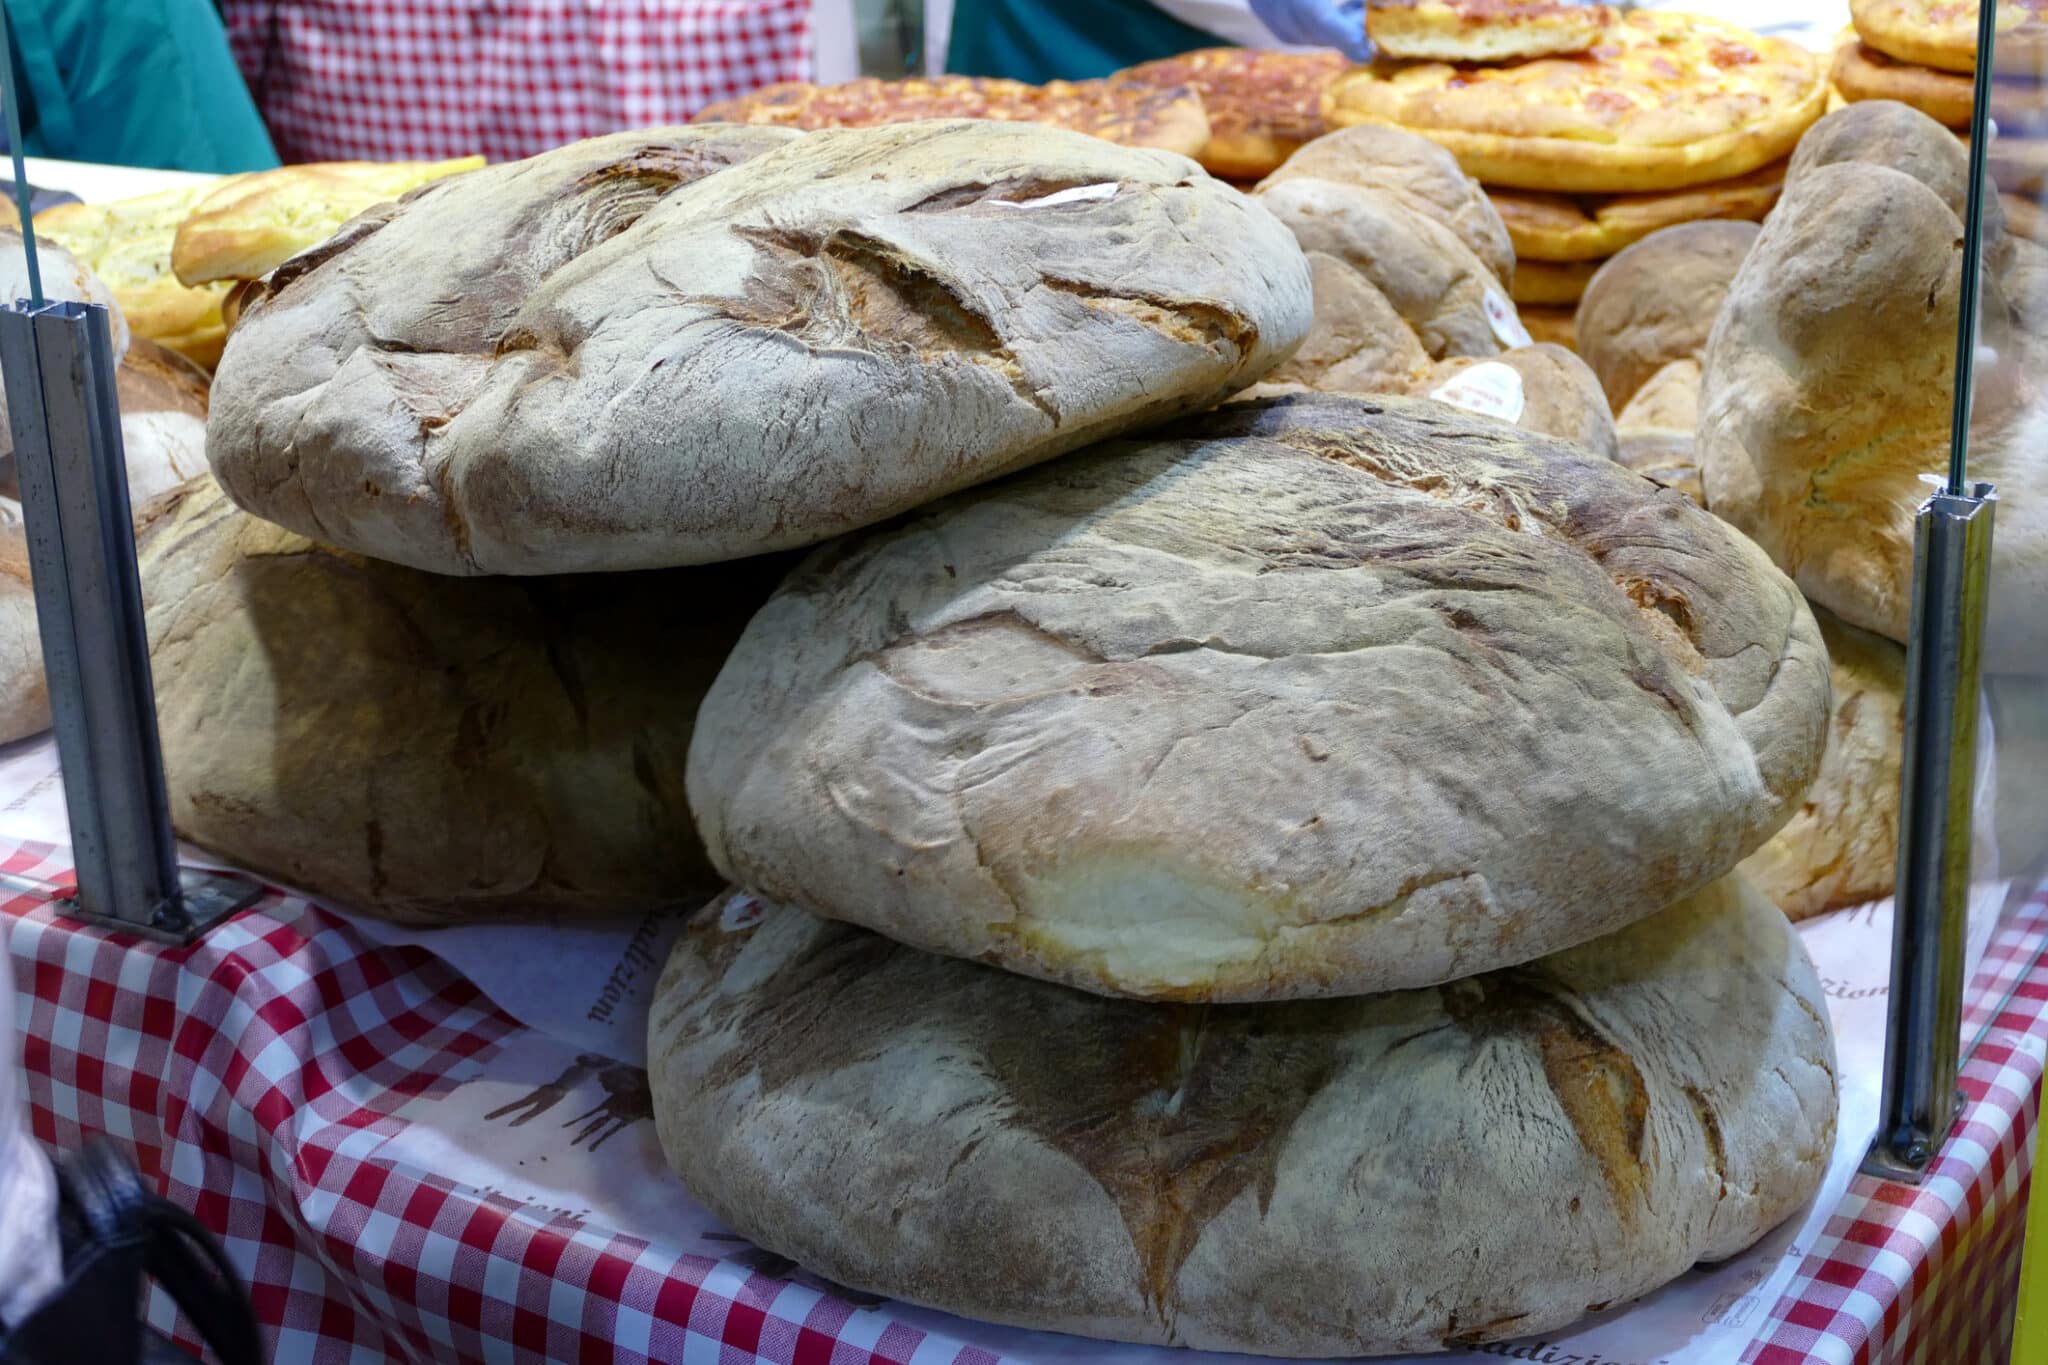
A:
1656	302
612	357
1287	1180
1552	392
1827	387
1305	697
1421	176
426	748
1841	846
1655	431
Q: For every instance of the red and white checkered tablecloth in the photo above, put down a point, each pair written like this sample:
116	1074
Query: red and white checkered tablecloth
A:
384	80
266	1076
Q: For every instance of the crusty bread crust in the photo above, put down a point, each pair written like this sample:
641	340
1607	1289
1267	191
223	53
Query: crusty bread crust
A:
1664	101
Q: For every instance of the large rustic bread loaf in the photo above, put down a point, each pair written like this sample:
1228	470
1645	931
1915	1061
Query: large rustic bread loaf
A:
1826	392
1656	302
610	357
1307	697
1841	846
1404	1172
430	748
1545	389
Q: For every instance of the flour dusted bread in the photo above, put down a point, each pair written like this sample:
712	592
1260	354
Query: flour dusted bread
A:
1285	1179
1406	261
651	363
425	748
1656	302
1307	697
1841	847
1545	389
1827	383
1662	101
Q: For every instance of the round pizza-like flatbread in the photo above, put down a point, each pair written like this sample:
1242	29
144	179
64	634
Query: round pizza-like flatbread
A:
1262	105
1405	1172
1943	33
1552	282
1861	72
1663	101
1484	30
1133	113
1563	227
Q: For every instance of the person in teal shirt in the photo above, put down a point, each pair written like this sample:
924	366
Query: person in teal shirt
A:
133	83
1043	40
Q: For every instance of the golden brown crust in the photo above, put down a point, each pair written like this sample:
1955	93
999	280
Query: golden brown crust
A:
253	223
1554	323
128	245
1262	105
1664	101
1551	282
1943	33
1132	113
1861	72
1560	227
1484	30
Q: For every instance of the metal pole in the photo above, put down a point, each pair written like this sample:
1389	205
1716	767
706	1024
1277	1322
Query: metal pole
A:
1930	924
59	372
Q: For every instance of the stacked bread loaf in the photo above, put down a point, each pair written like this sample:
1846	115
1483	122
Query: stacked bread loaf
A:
1189	890
1590	129
1924	55
1409	265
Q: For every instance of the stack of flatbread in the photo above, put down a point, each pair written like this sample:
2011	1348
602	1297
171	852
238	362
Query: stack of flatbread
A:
1591	129
1924	54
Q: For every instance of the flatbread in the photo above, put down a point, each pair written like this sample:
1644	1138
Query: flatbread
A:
1555	323
1484	30
1861	72
1262	104
616	355
1664	101
1943	33
1562	227
254	223
1133	113
128	245
1304	697
1413	1172
1552	282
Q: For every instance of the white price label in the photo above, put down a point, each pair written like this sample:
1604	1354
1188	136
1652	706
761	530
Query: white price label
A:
1489	388
1507	324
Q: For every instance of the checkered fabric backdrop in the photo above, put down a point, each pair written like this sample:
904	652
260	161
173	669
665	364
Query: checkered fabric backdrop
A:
254	1074
383	80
